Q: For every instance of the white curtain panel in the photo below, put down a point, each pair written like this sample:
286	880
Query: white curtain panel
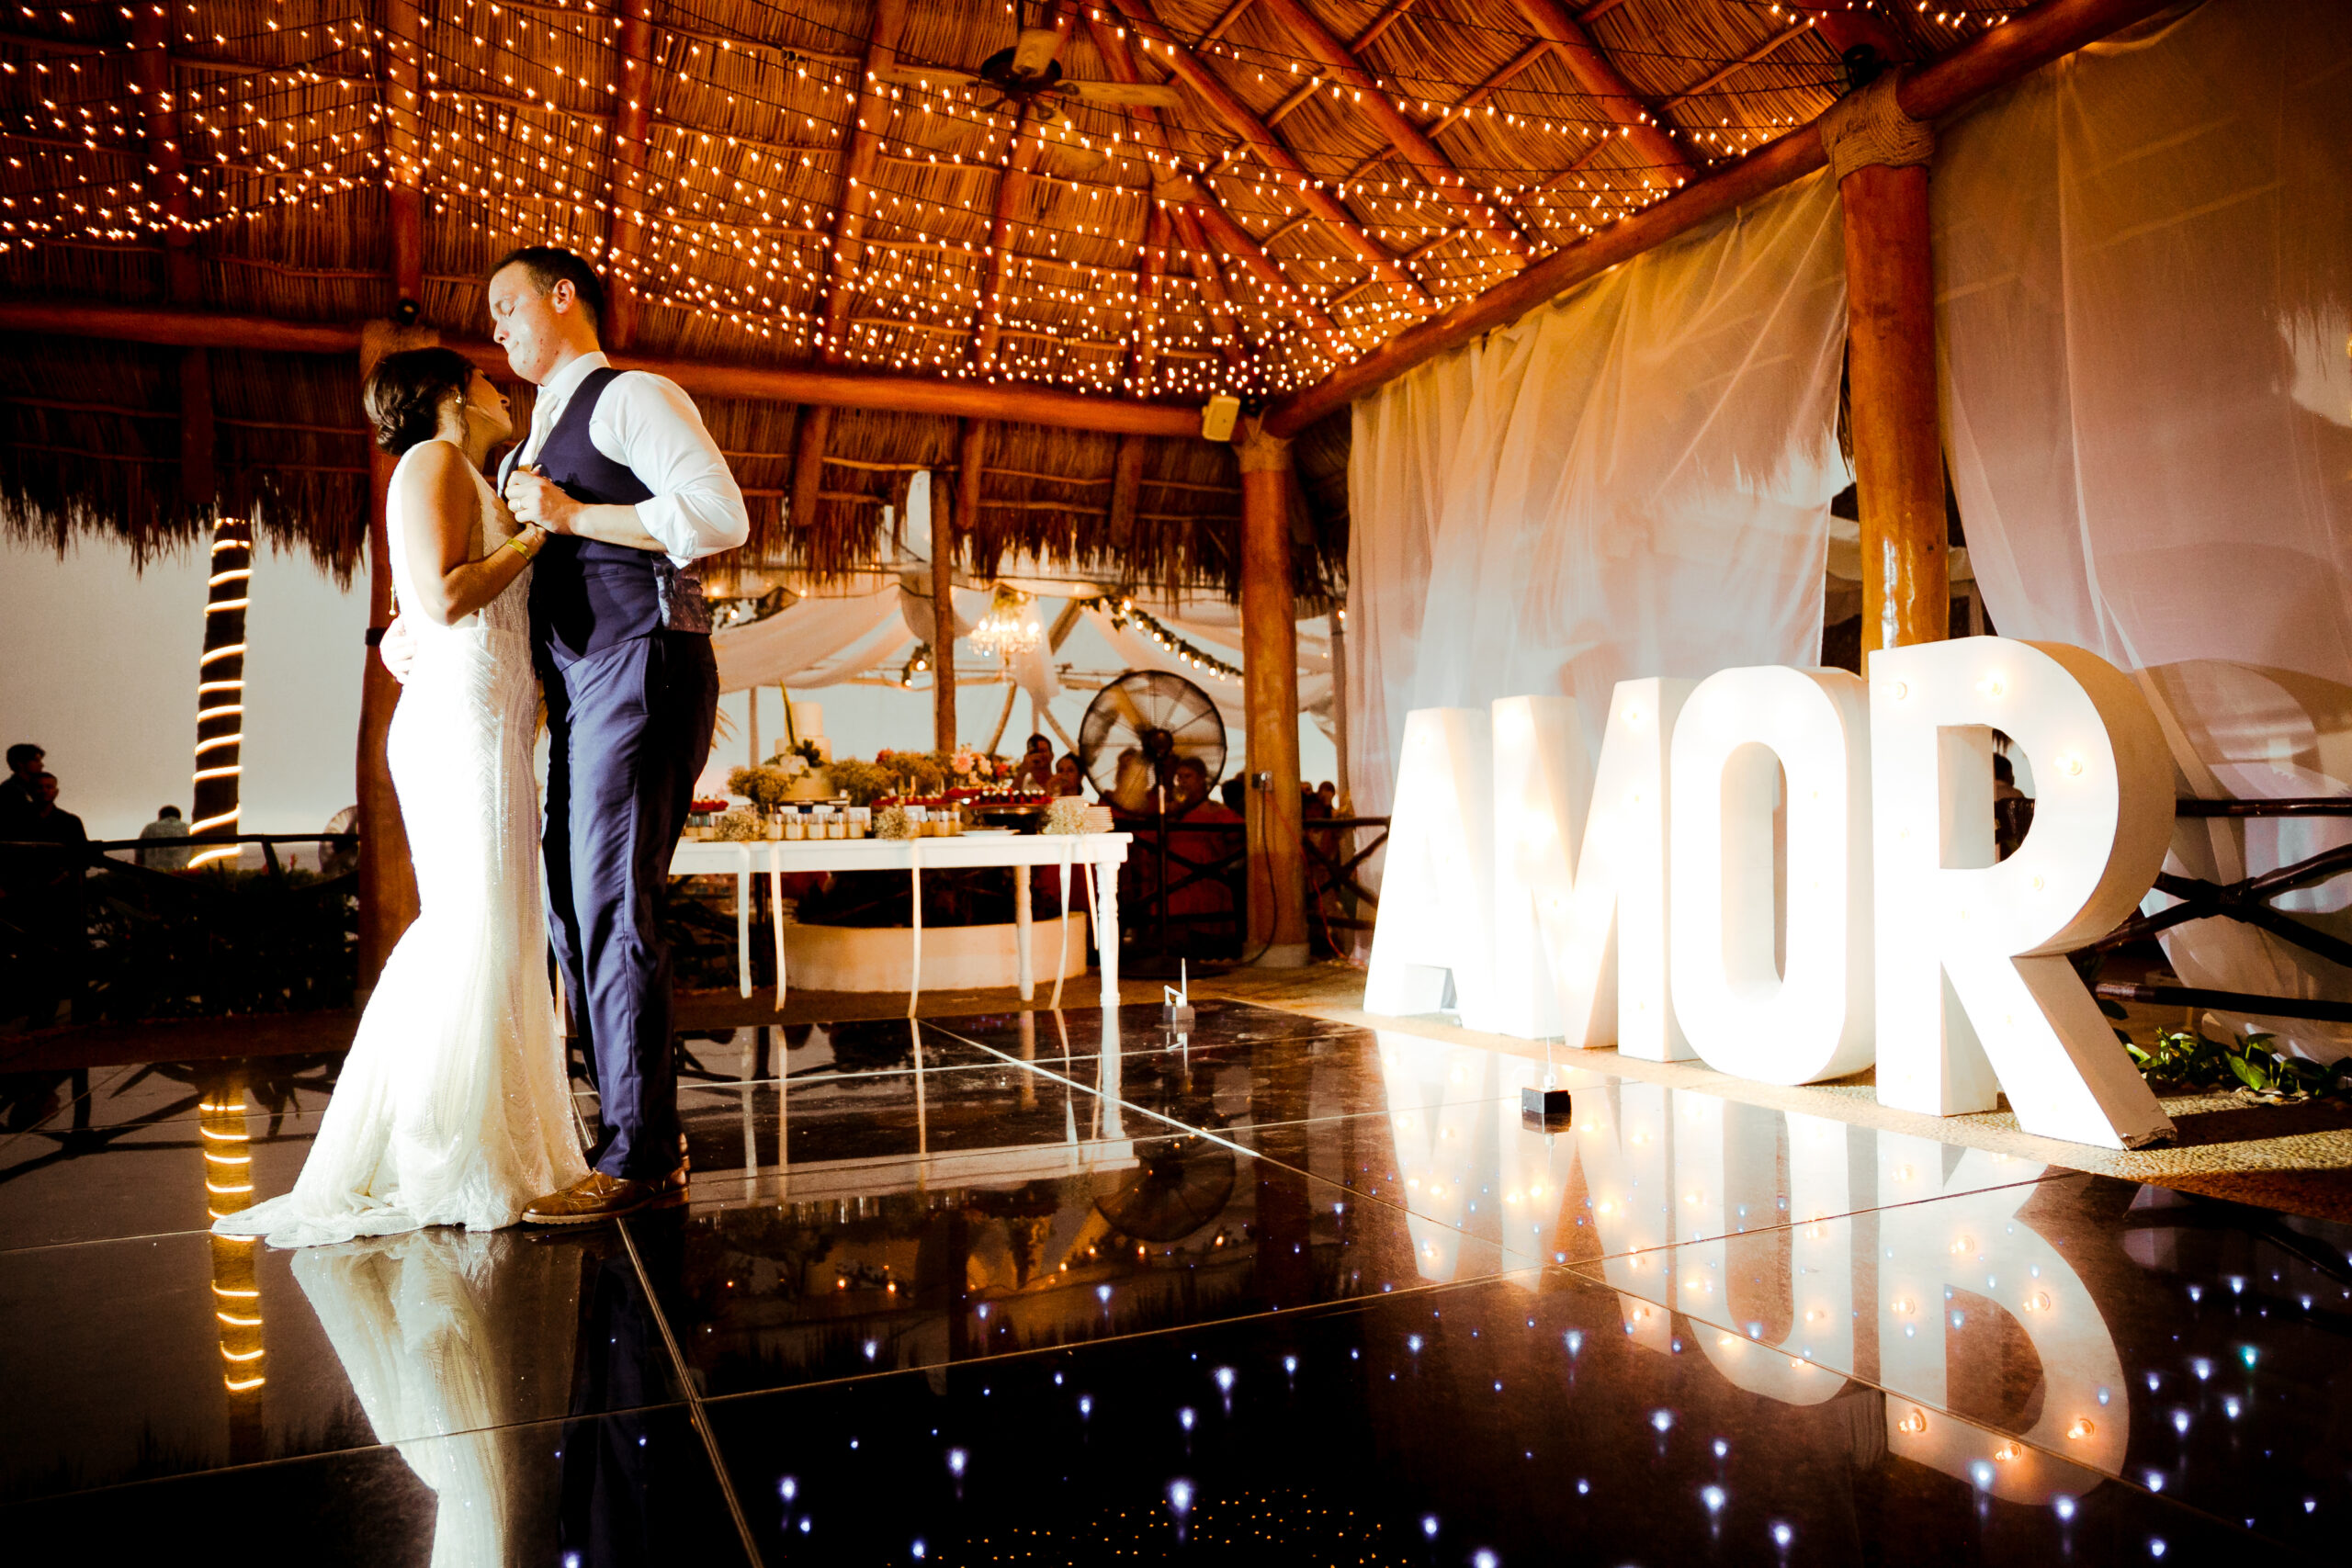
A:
2144	257
1635	480
811	642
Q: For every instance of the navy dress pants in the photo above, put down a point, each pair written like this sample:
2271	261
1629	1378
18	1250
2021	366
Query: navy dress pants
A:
630	728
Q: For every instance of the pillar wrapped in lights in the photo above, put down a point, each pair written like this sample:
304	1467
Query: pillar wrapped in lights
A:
221	689
236	1295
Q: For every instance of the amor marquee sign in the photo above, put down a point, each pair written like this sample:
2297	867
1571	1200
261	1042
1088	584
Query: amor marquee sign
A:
1634	898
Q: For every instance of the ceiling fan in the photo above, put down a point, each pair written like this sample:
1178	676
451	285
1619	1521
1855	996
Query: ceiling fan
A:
1027	76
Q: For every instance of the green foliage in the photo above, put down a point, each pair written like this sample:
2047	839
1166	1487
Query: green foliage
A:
2181	1060
861	782
766	788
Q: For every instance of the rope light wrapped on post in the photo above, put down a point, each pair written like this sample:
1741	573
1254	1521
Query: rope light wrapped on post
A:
220	690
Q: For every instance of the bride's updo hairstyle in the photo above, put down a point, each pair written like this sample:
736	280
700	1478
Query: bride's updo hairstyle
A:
405	393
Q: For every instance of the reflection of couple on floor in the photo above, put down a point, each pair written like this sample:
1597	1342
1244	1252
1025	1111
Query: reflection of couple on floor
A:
456	1343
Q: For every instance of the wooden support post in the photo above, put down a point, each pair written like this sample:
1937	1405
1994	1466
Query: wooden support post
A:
1270	697
632	122
1880	156
809	437
949	525
1126	486
220	690
388	900
200	476
1346	780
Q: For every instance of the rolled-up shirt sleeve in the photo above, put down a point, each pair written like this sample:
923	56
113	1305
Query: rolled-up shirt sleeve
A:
647	422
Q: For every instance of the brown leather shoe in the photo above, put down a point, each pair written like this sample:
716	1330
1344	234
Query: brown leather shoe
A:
596	1197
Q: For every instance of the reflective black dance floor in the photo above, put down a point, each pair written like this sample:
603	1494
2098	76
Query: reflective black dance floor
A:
1058	1288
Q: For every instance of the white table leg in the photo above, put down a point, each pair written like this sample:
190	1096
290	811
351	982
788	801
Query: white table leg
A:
1024	935
1061	948
914	976
775	910
743	922
1106	930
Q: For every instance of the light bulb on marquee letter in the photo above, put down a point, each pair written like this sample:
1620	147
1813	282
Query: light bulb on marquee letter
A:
1809	1018
1437	890
1973	986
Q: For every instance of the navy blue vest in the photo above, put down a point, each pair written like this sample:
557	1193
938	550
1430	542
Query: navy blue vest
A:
586	595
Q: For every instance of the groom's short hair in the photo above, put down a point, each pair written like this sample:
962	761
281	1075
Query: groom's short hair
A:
551	264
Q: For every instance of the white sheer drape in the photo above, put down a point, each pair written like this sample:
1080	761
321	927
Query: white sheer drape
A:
2143	256
1633	482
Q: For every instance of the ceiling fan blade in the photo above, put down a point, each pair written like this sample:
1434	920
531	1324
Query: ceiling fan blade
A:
1034	52
932	75
1145	95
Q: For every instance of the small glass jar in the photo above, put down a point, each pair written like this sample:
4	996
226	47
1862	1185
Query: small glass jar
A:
861	821
835	828
794	825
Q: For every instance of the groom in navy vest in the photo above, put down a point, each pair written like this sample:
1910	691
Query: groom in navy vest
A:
619	469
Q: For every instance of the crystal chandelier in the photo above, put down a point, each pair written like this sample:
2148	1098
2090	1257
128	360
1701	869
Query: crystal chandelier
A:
1008	628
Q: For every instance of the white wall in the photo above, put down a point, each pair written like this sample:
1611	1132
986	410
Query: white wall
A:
102	671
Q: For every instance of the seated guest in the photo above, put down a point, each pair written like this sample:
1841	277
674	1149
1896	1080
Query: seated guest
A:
1035	769
1189	784
168	824
1068	778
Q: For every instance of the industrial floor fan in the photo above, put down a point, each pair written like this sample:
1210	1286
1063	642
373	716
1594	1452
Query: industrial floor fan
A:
1137	731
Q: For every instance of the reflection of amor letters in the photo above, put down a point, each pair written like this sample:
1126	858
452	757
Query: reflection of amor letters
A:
1636	898
1792	1252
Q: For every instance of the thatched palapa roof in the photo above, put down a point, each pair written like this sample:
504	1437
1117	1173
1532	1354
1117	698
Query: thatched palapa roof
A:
829	184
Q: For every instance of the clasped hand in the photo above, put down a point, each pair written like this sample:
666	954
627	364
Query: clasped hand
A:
532	497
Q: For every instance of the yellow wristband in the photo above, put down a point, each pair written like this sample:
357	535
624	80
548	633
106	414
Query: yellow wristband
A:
515	544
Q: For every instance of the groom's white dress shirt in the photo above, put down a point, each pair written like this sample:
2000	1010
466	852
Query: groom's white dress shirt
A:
648	424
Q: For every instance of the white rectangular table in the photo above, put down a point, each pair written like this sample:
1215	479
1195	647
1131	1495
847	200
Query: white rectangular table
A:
914	856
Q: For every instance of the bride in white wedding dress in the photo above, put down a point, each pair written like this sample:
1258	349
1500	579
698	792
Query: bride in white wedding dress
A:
452	1107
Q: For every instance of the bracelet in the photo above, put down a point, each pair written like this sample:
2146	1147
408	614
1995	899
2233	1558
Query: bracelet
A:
515	544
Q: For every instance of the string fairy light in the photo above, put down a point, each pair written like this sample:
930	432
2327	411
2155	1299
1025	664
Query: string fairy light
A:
746	162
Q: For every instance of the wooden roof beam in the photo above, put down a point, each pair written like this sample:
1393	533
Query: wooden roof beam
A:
1485	89
864	141
1373	98
1388	17
1012	189
1233	346
166	179
820	386
1143	328
632	125
1600	80
1171	196
1235	240
403	61
1992	58
1228	106
1732	68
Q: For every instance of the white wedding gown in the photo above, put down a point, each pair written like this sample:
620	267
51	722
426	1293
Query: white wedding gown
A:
452	1108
